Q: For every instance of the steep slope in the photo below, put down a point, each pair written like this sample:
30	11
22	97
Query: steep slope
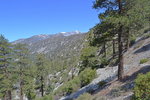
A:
62	49
123	90
32	39
114	89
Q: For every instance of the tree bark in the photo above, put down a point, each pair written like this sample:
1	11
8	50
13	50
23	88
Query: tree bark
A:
9	95
120	46
21	91
5	96
104	50
42	87
114	51
127	40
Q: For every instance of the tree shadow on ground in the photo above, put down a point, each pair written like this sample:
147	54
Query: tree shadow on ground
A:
129	82
95	88
143	49
143	70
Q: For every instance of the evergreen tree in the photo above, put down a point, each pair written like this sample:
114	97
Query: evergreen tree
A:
114	10
6	77
124	15
41	72
23	70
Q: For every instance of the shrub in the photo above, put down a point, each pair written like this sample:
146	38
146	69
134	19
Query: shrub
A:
46	97
147	30
142	61
147	35
142	87
85	96
86	76
99	98
69	87
116	92
104	62
132	40
101	83
72	86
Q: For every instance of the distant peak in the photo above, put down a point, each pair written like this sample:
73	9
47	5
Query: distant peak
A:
77	31
70	33
42	35
63	32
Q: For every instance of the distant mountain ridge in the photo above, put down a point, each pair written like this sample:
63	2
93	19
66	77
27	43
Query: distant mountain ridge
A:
63	48
40	37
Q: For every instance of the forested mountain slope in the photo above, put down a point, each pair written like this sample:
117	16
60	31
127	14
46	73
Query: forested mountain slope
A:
106	85
63	49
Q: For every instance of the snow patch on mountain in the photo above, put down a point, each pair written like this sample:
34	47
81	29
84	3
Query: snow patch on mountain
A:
70	33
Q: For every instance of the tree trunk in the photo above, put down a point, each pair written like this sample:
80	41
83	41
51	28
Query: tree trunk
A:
114	51
128	41
104	50
5	96
9	95
42	87
120	46
21	91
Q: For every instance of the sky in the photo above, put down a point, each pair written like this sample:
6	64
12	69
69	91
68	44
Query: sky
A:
25	18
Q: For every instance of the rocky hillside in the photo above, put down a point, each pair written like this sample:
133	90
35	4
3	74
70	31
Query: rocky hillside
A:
62	49
107	87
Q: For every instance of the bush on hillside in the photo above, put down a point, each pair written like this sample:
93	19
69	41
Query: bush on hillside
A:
69	87
142	61
102	83
85	96
146	30
86	76
132	40
46	97
142	87
104	62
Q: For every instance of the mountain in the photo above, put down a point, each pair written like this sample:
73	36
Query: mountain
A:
63	49
70	33
32	39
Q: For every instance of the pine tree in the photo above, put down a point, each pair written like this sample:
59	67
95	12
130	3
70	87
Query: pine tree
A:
6	74
114	14
125	15
23	70
41	72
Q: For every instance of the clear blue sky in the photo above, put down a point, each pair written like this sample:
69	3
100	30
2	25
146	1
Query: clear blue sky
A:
25	18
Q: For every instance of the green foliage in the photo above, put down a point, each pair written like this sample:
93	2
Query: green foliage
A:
142	61
6	69
85	96
69	87
147	35
86	76
41	65
46	97
41	72
104	62
101	83
88	56
147	30
30	88
132	40
142	87
24	72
